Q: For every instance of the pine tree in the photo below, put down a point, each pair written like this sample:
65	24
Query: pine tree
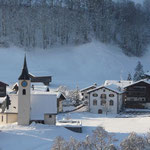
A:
138	72
129	77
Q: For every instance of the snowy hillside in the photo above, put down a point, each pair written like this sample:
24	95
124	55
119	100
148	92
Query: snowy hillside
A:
71	66
136	1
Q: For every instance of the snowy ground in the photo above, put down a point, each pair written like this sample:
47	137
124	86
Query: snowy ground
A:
40	137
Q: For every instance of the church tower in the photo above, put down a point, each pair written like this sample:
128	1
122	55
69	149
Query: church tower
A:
24	96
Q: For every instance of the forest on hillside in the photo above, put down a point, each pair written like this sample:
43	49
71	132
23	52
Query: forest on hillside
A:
47	23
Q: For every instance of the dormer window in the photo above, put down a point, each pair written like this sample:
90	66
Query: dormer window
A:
24	92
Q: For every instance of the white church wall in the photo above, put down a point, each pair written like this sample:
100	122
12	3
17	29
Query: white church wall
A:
43	104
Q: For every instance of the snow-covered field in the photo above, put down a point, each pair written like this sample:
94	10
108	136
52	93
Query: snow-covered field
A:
40	137
71	66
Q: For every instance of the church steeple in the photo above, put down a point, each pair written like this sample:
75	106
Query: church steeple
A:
24	75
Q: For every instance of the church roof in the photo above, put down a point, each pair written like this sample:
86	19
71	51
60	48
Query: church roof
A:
24	75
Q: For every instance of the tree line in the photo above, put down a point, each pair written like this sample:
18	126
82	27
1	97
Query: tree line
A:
47	23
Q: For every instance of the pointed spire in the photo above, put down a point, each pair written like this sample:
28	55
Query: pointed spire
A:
24	75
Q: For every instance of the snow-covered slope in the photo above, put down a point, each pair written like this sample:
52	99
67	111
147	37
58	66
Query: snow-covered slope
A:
72	66
136	1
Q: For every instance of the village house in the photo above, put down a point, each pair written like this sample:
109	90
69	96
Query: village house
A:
107	98
137	95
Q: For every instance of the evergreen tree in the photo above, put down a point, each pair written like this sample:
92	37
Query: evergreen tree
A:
138	72
129	77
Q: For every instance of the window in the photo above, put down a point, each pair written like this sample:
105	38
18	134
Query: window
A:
82	94
103	102
2	118
111	102
50	116
103	90
103	95
111	95
23	92
95	95
86	97
95	102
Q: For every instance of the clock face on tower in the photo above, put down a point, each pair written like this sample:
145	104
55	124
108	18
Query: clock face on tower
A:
24	83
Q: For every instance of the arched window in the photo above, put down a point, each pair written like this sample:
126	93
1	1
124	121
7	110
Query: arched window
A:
95	102
111	102
23	92
103	102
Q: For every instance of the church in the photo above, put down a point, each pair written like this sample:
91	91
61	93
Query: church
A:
27	106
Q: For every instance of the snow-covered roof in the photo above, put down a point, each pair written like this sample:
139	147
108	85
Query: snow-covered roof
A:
112	87
69	123
115	88
143	80
42	89
119	83
43	104
88	88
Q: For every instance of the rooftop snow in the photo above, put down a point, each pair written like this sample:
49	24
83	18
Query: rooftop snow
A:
88	88
121	83
143	80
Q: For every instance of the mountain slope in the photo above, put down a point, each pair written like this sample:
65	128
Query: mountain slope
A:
71	66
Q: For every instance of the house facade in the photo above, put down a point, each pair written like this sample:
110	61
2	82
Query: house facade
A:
105	100
137	95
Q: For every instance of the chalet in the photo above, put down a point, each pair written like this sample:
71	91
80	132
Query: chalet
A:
137	95
105	99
